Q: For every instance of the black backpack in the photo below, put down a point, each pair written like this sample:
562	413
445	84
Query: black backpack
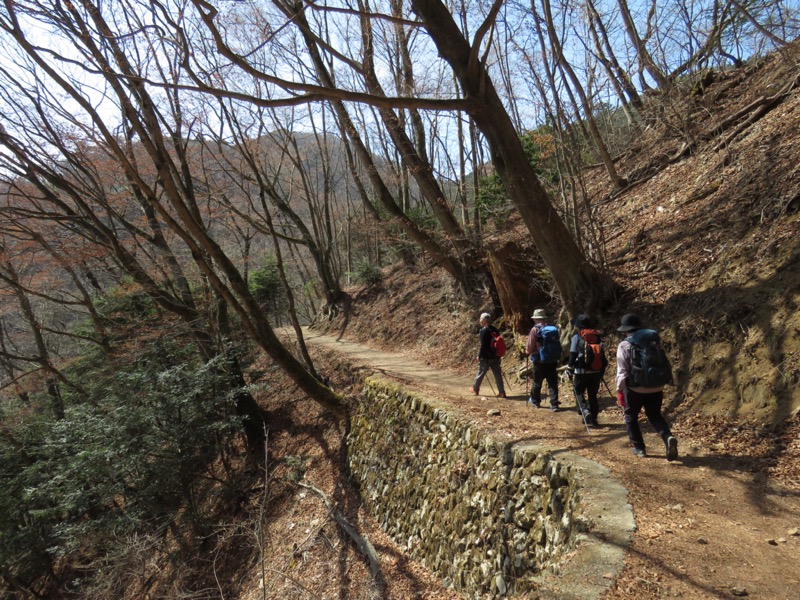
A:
649	363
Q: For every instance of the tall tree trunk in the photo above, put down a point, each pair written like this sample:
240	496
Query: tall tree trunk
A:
577	280
605	54
514	292
420	169
56	401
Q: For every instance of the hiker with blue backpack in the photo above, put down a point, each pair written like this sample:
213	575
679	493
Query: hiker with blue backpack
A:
544	348
643	370
586	366
489	354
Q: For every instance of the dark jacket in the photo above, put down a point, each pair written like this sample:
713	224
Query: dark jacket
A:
486	351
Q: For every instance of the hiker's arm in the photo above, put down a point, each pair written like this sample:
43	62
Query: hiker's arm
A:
531	346
623	364
573	351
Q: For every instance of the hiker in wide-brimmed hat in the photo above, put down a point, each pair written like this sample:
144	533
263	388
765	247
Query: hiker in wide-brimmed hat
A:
544	348
642	372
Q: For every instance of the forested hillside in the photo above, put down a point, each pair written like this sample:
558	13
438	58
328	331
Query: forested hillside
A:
178	183
702	243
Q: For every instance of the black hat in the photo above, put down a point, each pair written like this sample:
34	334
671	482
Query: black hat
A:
582	321
630	323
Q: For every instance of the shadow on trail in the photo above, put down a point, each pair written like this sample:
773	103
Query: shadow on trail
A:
743	326
344	498
728	466
598	438
654	587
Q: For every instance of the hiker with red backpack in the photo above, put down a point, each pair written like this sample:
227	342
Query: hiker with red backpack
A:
643	370
490	352
587	364
544	348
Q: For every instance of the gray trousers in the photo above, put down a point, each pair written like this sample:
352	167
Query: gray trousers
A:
484	364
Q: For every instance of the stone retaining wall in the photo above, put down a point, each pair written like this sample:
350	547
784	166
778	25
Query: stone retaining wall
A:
489	516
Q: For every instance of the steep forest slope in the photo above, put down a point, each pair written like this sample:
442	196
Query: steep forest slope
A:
704	244
703	241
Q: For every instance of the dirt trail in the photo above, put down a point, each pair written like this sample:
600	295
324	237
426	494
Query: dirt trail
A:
705	527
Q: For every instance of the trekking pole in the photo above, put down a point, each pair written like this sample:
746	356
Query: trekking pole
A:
527	382
508	383
608	388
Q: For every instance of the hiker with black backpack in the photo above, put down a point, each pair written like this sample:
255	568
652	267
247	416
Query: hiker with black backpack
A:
544	348
586	366
643	370
490	346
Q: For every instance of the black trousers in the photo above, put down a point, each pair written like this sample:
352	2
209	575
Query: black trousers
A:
589	384
545	372
651	403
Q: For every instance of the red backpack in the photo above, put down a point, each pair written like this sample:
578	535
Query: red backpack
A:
498	345
591	351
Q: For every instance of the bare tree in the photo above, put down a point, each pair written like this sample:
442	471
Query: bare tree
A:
578	281
588	115
646	62
627	93
41	355
445	259
170	189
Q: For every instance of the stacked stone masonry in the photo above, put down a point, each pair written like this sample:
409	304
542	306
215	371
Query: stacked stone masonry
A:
486	515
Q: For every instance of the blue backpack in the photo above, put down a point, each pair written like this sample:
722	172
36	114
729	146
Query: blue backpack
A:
549	345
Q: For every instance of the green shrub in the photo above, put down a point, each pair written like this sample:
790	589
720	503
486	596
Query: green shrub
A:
125	304
423	218
366	273
492	201
297	466
124	464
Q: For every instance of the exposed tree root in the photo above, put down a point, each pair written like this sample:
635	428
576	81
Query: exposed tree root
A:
754	111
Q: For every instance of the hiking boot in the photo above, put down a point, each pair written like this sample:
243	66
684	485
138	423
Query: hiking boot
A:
593	421
534	404
672	448
501	395
554	407
639	452
473	390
